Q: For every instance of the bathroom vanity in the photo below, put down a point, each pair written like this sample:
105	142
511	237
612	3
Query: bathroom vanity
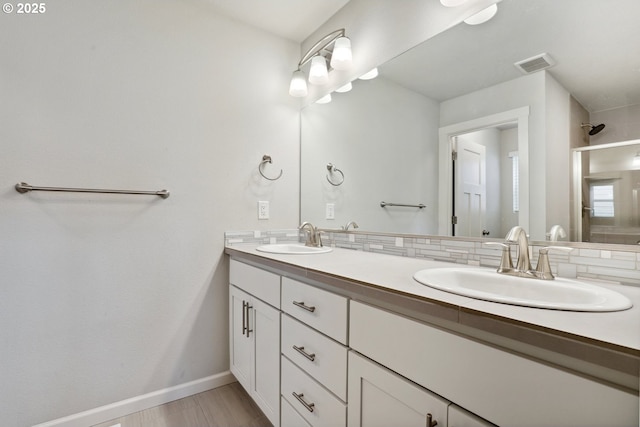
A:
350	338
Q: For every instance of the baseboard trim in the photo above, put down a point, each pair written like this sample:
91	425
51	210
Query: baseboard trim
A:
139	403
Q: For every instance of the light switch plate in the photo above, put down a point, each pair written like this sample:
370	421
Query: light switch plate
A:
263	210
330	211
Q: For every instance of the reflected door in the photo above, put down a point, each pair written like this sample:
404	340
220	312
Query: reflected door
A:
470	189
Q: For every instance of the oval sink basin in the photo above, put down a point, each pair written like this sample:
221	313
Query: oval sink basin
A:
293	249
558	294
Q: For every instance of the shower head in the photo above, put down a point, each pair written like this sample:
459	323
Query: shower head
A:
594	128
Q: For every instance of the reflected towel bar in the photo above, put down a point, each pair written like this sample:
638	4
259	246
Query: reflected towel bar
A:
23	187
385	204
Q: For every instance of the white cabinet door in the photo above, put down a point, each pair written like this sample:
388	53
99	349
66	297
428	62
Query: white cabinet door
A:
255	350
381	398
265	323
240	345
458	417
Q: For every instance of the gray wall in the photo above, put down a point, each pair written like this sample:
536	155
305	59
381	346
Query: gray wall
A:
107	297
384	138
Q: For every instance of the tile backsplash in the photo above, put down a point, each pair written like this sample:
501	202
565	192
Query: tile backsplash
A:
616	266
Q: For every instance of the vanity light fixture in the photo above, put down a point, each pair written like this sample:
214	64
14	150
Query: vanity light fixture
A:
318	73
483	16
636	160
325	99
452	3
333	48
298	87
345	88
369	75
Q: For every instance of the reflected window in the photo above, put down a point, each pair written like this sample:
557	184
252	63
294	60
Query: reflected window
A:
515	174
602	202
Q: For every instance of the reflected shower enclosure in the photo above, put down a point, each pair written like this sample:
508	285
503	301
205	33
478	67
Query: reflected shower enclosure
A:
606	184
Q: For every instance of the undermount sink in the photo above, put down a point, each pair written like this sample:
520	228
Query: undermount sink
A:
557	294
293	249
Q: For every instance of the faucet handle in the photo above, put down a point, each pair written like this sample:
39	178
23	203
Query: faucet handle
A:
543	269
506	264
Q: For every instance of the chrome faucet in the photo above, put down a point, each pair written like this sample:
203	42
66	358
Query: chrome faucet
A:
523	268
519	236
312	235
350	224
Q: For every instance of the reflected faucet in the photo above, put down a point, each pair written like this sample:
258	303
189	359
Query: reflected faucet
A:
556	232
350	224
313	238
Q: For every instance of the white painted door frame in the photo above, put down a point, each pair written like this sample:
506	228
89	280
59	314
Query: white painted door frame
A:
445	197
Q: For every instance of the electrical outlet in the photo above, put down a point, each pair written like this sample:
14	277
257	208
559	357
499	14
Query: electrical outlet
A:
330	211
263	210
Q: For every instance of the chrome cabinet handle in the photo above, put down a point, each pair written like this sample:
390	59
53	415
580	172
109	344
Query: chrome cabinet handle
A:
248	307
430	421
244	317
301	304
310	356
308	406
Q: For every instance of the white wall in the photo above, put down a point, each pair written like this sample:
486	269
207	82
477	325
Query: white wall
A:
557	161
622	124
384	138
521	92
106	297
549	167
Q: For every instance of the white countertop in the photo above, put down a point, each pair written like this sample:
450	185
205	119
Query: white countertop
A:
621	328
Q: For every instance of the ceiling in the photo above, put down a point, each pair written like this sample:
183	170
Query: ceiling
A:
595	43
292	19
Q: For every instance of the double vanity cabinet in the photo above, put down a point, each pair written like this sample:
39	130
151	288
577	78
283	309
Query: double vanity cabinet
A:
315	354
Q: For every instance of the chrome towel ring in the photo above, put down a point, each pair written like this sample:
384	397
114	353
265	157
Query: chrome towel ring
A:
267	159
331	168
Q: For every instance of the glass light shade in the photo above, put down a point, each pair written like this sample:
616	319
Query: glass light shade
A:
298	86
341	56
452	3
482	16
636	161
345	88
369	75
318	73
325	99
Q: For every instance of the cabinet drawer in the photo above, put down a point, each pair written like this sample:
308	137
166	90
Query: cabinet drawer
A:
319	356
317	308
259	283
289	417
316	405
477	376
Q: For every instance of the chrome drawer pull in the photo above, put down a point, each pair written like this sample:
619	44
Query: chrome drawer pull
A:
244	317
300	350
302	305
430	421
249	330
300	396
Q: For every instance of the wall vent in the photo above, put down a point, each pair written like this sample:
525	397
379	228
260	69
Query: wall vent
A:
535	63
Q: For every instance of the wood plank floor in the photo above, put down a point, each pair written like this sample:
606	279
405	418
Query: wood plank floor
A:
227	406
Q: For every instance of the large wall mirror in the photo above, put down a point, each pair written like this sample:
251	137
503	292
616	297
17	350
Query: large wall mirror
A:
382	153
